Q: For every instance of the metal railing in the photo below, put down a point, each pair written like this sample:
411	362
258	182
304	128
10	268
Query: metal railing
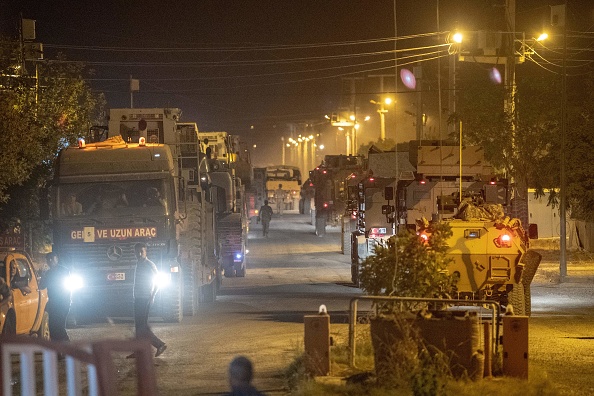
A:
89	368
495	315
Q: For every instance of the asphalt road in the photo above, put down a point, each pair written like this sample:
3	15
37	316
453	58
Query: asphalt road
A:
289	275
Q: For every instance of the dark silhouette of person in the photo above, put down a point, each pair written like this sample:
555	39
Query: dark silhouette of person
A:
153	197
59	297
241	374
144	294
265	215
5	292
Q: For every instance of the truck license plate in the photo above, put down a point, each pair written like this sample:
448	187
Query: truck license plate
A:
117	276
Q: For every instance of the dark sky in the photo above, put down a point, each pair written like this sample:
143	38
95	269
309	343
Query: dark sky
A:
253	67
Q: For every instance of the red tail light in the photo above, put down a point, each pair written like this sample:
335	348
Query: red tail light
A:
424	237
325	204
503	241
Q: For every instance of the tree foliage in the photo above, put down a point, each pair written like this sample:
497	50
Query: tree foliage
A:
526	142
409	267
37	119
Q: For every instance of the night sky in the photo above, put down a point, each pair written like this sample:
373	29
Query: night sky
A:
265	68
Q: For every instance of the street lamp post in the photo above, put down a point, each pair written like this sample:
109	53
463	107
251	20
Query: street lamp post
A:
382	112
305	141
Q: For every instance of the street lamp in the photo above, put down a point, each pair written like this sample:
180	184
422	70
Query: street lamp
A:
382	111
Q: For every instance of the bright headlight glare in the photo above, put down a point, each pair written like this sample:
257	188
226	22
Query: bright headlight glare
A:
162	279
73	282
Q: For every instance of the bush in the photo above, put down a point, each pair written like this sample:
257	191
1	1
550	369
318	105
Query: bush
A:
408	266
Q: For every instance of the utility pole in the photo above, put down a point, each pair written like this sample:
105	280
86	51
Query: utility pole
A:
382	110
563	192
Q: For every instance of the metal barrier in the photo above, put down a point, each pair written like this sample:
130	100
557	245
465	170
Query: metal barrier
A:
495	315
94	358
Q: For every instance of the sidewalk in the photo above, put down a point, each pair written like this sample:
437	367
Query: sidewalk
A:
578	272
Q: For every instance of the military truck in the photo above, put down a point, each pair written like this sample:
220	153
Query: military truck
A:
149	181
286	178
330	190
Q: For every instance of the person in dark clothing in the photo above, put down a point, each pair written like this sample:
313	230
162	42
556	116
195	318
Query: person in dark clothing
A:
144	294
5	293
241	374
265	215
59	297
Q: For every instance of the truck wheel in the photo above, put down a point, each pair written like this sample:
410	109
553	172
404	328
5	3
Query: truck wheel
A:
172	303
240	272
9	324
190	296
209	292
516	298
320	226
355	275
43	331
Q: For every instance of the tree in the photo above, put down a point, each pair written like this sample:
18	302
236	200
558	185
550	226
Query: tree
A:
36	123
409	267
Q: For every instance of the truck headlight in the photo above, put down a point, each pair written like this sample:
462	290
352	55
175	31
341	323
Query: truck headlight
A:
73	282
237	257
162	279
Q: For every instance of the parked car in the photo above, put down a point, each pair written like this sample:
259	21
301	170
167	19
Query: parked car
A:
25	312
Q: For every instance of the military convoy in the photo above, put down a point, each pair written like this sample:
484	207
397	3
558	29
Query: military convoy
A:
374	199
154	180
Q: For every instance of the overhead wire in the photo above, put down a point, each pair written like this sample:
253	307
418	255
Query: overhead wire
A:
262	62
269	74
243	48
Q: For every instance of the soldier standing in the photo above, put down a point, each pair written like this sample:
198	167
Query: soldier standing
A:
265	215
59	297
279	197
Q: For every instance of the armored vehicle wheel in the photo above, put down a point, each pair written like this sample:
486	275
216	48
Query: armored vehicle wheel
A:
531	260
516	298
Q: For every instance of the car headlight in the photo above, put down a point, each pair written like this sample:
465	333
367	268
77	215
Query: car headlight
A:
73	282
162	279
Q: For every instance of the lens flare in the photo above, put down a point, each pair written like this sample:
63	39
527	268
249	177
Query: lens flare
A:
408	78
495	76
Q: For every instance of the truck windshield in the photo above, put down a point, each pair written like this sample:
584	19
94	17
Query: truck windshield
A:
113	199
